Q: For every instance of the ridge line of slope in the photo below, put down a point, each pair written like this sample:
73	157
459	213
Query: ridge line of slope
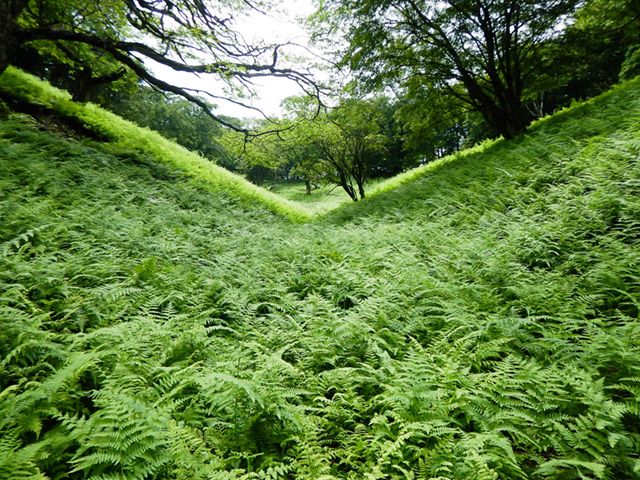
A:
28	88
537	128
35	91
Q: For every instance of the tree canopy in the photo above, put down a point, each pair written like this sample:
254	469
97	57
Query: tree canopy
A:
193	36
345	146
489	47
427	77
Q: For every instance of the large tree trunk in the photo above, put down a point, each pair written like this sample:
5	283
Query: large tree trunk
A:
85	83
506	117
509	122
307	184
515	116
9	12
346	185
350	191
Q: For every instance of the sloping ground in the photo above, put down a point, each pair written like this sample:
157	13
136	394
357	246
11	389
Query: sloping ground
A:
122	134
552	140
477	322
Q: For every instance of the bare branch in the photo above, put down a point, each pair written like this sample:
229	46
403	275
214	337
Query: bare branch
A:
180	37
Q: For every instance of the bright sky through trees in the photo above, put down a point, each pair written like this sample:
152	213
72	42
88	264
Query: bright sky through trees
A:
280	25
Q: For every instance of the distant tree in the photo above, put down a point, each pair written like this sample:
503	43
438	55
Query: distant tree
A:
170	115
489	47
397	156
299	155
300	158
436	124
631	66
342	147
259	159
358	140
349	141
194	36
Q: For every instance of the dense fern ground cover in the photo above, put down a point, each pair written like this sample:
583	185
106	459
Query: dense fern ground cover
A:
477	321
19	86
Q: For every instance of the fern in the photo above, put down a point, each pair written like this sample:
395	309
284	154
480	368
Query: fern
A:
123	439
475	319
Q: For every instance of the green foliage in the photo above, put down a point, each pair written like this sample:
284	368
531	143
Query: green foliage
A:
590	55
348	143
261	158
477	321
435	125
76	67
484	53
81	45
174	118
145	142
631	66
356	143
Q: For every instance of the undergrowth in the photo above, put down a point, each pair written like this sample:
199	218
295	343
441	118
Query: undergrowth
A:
126	136
478	322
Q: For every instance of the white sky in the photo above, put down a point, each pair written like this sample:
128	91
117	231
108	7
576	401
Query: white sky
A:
280	26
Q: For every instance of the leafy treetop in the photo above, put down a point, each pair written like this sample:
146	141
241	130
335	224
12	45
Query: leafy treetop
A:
489	47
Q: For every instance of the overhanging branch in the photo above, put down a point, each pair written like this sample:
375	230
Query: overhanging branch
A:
126	53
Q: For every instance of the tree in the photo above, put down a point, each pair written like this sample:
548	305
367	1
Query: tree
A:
435	124
299	157
171	116
83	71
9	12
396	157
349	141
259	159
589	56
194	36
489	47
299	151
342	147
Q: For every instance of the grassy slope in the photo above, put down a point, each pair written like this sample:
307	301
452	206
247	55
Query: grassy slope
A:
552	137
126	135
478	322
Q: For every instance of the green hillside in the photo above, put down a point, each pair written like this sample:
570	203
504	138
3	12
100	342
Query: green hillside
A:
474	319
123	135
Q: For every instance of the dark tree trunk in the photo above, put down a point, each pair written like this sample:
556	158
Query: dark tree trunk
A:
509	122
515	116
85	83
361	188
307	184
350	191
346	185
507	119
9	12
